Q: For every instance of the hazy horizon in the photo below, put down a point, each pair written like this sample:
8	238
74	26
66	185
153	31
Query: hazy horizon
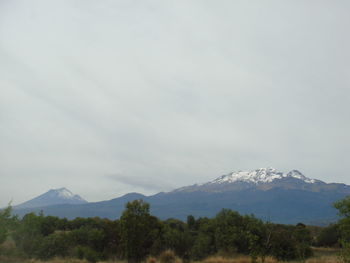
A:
110	97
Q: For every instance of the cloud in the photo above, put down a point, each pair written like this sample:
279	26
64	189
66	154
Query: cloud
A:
161	95
141	182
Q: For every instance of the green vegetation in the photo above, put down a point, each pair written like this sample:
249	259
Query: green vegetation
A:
140	237
139	231
343	207
5	222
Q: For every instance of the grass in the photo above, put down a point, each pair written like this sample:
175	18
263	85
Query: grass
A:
215	259
321	255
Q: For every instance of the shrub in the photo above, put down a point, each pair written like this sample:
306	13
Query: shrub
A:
169	256
86	253
151	260
345	252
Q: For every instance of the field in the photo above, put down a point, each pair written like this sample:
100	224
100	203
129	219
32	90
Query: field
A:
321	255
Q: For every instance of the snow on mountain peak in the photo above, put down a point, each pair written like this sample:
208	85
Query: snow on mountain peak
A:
54	197
299	175
64	193
261	175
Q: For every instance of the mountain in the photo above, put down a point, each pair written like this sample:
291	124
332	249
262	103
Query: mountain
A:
271	195
53	197
264	179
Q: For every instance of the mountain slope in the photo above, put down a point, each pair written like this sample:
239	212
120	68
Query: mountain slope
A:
270	195
262	179
53	197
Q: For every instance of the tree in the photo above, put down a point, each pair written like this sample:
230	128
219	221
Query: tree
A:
329	236
5	221
228	232
53	245
282	243
191	222
139	230
204	242
111	243
176	236
303	240
28	236
258	236
343	207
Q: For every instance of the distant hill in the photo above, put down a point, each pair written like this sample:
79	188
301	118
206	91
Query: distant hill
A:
271	195
53	197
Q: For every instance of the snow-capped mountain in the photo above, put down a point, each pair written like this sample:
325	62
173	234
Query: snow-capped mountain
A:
53	197
262	179
262	175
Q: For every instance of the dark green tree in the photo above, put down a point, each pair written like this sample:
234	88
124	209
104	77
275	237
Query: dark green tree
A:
5	223
177	237
111	242
329	236
139	230
204	241
303	240
57	244
28	235
282	243
256	232
191	222
343	207
230	232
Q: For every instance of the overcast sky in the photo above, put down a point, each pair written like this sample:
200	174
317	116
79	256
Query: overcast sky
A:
110	97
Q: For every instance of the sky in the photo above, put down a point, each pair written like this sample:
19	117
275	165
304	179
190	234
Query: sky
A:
110	97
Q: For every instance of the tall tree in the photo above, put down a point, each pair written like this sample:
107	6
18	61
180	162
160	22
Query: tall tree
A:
28	235
139	230
5	220
343	207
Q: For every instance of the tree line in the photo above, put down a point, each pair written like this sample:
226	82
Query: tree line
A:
138	234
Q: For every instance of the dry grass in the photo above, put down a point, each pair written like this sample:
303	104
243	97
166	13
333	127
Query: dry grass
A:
245	259
55	260
325	259
216	259
239	259
151	260
59	260
170	257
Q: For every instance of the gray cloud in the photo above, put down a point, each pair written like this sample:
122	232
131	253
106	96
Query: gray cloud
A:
141	182
169	93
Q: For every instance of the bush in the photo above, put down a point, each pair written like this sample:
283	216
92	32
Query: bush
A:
54	245
78	252
86	253
329	236
151	260
345	252
168	256
91	255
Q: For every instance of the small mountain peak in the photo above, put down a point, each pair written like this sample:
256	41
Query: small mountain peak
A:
299	175
61	193
256	176
266	170
62	189
53	197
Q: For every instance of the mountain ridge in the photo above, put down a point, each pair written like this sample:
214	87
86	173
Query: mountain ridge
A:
269	194
263	179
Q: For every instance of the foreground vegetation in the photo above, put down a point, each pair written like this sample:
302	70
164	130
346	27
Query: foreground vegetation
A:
138	236
170	257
